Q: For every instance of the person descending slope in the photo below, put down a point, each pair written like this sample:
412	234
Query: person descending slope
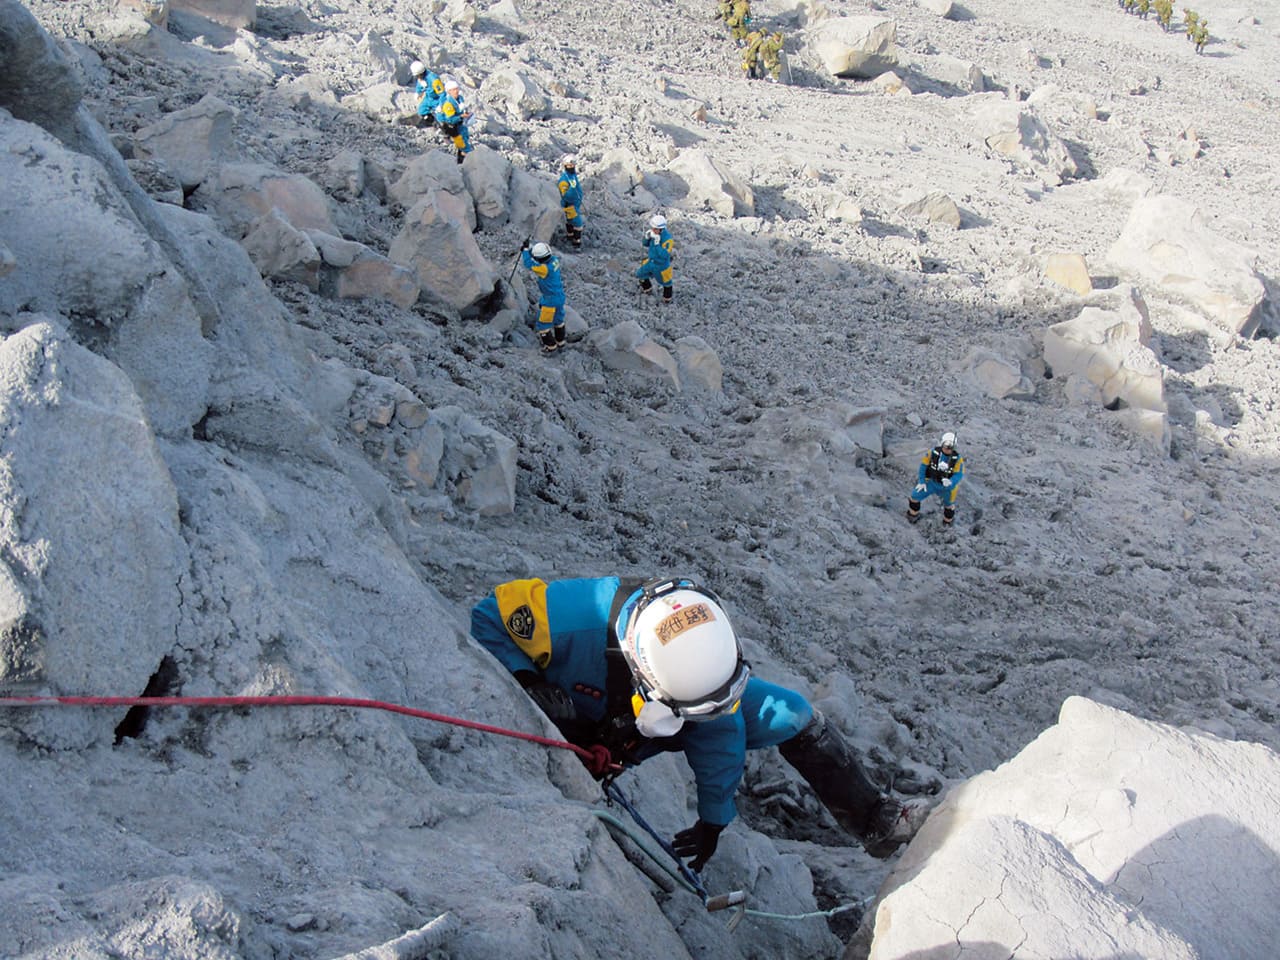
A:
751	55
429	89
939	475
659	250
647	667
546	269
452	116
571	199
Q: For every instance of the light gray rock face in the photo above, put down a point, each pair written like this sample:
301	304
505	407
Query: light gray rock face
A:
435	174
712	184
699	366
1107	349
230	13
515	92
1166	242
443	254
125	295
856	47
1020	136
998	376
278	250
487	174
943	8
1106	836
191	142
628	348
88	531
935	207
239	193
35	83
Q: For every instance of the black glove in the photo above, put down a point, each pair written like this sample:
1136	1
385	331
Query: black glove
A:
699	842
551	700
525	245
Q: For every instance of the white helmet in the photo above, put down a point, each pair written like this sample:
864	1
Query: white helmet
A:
540	252
683	653
948	440
569	160
657	221
417	68
451	84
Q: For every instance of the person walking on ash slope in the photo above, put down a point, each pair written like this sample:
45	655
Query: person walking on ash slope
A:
571	199
546	269
656	265
939	475
429	89
452	116
647	667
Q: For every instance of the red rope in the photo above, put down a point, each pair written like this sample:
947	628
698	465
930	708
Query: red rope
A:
590	757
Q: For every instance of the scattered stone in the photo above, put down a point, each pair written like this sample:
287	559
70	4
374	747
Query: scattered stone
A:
236	14
698	364
627	347
278	250
153	177
239	193
1069	270
936	207
516	92
1016	133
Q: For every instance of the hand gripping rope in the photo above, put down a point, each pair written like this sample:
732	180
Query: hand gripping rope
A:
596	759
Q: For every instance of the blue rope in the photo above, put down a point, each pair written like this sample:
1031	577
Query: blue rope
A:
614	794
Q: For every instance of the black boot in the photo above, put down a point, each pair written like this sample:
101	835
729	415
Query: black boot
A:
560	335
820	755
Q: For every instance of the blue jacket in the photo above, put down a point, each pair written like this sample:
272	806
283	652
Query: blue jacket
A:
450	111
429	88
562	630
550	285
658	249
570	193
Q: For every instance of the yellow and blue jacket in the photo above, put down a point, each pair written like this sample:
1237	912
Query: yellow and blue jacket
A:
567	631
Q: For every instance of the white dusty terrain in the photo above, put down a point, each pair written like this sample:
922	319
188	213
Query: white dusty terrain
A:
204	488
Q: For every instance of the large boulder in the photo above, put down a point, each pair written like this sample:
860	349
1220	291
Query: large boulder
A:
191	142
1104	356
534	205
435	174
1165	242
487	174
92	554
443	254
857	47
713	185
1107	836
278	250
627	347
1017	133
515	92
239	193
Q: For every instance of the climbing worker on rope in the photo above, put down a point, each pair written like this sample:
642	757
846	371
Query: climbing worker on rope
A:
659	249
429	88
545	268
647	667
452	116
571	199
939	475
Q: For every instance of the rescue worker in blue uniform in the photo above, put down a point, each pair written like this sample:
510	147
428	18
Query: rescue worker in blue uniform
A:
545	268
659	249
452	116
939	475
429	89
571	199
645	667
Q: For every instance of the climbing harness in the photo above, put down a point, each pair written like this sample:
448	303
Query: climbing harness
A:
597	760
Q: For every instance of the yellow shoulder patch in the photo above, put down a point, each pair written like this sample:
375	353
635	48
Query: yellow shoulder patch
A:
522	604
